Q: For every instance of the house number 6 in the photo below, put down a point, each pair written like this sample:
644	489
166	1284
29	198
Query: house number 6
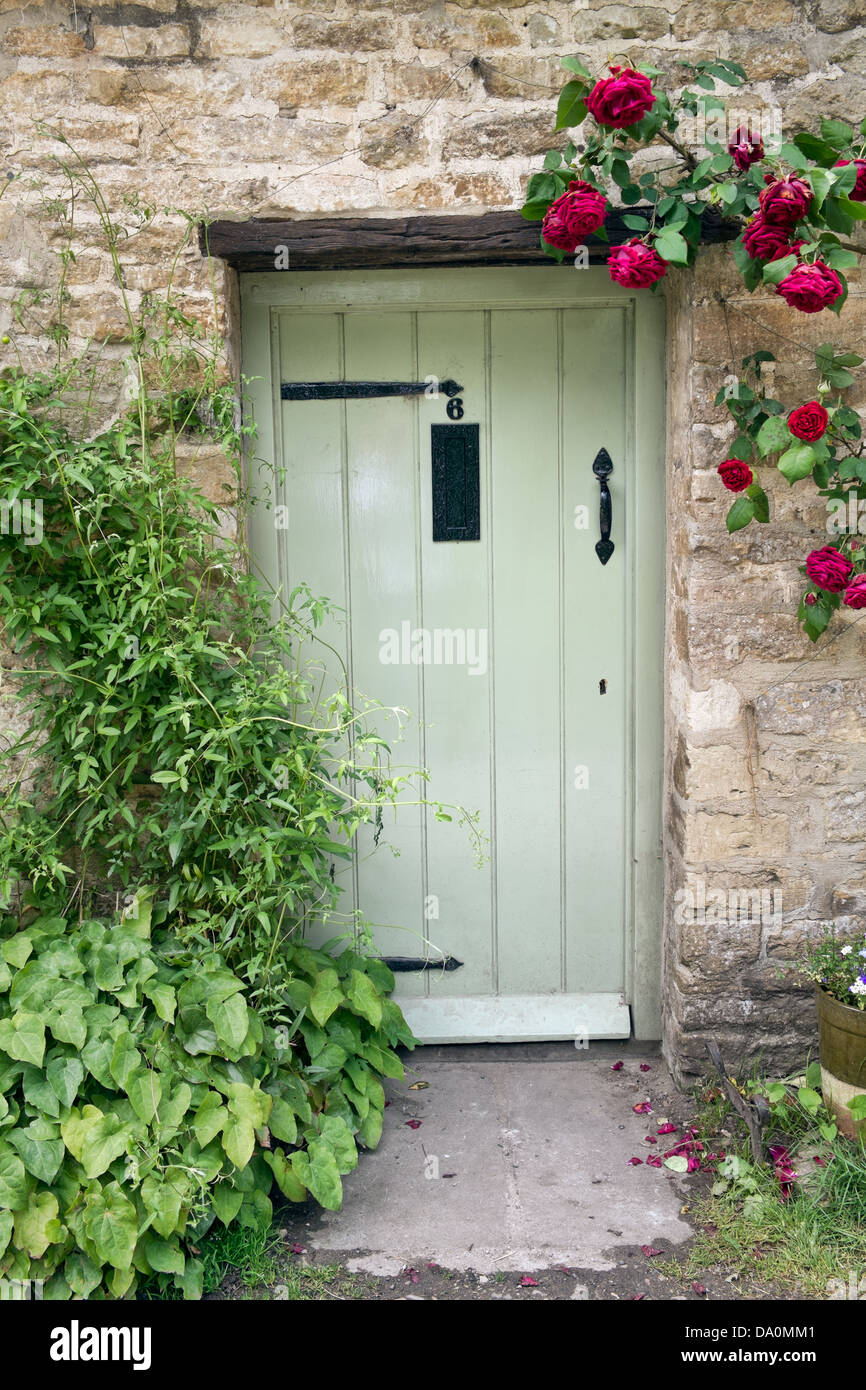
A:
454	408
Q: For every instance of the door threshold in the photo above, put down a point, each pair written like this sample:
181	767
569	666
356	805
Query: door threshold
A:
517	1017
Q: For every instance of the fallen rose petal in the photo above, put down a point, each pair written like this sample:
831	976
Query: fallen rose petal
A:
650	1139
650	1251
694	1164
617	1066
633	1162
698	1288
413	1124
666	1129
636	1297
643	1108
297	1249
527	1282
645	1066
654	1161
431	1264
411	1274
821	1161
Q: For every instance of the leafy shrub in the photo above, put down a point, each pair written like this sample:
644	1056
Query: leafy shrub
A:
142	1097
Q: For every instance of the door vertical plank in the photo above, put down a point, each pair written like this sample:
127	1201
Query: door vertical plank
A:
455	592
596	637
526	643
383	578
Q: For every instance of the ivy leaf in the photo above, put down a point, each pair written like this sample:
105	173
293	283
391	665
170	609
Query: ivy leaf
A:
678	1163
773	435
162	1255
364	998
230	1019
338	1136
317	1170
144	1089
282	1122
111	1224
40	1148
287	1179
327	996
227	1202
14	1184
22	1037
65	1075
17	950
571	106
37	1226
797	462
209	1119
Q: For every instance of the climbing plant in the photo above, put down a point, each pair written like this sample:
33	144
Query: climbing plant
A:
667	144
172	814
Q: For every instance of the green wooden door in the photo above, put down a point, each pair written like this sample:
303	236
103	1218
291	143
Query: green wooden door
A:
532	671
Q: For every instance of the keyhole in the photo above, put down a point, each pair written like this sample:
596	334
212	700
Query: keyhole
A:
602	687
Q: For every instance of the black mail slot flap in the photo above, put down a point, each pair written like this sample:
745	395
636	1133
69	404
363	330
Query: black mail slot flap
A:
456	482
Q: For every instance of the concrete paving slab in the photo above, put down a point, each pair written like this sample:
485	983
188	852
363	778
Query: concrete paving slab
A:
518	1164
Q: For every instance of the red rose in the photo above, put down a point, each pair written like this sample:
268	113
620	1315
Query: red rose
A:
829	569
808	421
636	265
766	241
855	594
573	216
745	148
785	200
810	288
858	192
735	474
622	99
810	600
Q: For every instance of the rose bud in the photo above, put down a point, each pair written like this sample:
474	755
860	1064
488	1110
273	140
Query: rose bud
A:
829	569
745	148
855	594
810	600
808	421
735	475
786	200
810	288
858	192
622	99
573	216
635	265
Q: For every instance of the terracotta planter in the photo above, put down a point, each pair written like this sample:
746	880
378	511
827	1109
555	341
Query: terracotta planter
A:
842	1033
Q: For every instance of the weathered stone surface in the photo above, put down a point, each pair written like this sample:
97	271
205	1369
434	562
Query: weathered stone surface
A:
502	136
243	34
313	82
522	77
393	142
356	35
620	22
834	710
131	41
836	15
720	836
458	190
734	15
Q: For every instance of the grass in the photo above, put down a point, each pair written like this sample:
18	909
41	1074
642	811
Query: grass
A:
799	1244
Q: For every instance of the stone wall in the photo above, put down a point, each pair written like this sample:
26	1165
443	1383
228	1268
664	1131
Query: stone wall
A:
328	106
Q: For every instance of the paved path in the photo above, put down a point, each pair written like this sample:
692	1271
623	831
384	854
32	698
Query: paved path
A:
520	1163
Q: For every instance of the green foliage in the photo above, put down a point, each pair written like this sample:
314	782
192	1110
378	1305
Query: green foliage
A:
163	1071
126	1133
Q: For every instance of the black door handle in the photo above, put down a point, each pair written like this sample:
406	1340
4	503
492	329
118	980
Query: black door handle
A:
602	468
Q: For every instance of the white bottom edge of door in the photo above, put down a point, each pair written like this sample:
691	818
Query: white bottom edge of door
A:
518	1018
